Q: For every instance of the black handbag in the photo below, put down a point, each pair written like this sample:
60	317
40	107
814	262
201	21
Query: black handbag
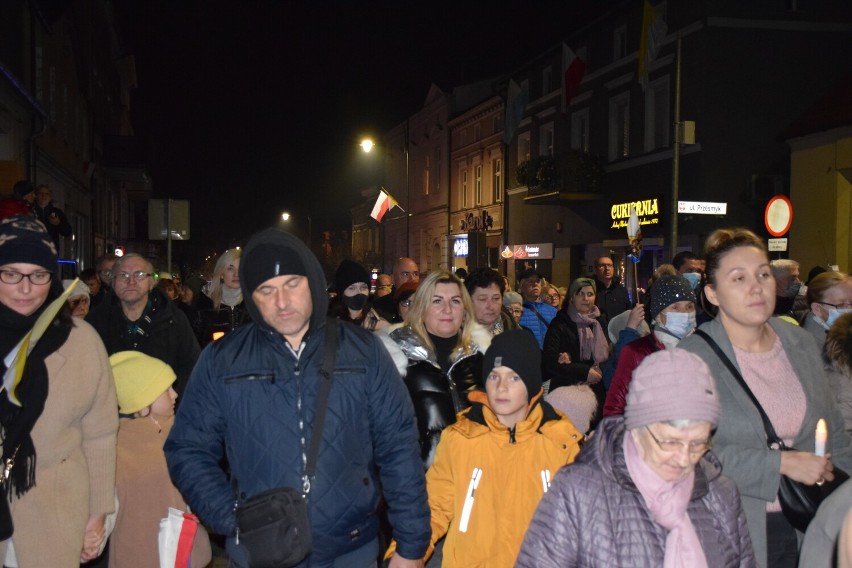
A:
274	526
799	502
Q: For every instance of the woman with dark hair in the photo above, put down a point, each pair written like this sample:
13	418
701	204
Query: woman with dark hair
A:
444	346
781	365
352	284
59	422
486	288
575	346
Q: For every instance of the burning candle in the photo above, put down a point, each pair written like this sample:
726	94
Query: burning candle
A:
821	437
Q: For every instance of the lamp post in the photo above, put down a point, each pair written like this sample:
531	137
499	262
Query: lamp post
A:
286	216
367	146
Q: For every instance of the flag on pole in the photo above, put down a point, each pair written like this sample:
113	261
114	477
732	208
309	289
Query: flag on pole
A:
653	33
16	359
573	69
634	236
384	203
516	104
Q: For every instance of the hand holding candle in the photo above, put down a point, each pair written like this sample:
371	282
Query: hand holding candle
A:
821	438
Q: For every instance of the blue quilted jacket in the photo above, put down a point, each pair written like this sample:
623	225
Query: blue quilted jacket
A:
242	399
594	516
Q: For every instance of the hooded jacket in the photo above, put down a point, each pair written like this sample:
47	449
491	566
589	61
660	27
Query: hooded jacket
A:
595	516
439	396
515	468
245	396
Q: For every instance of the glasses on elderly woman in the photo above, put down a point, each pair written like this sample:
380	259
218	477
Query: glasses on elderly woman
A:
39	278
696	448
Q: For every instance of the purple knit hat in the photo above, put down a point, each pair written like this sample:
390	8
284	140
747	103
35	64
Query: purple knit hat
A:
672	384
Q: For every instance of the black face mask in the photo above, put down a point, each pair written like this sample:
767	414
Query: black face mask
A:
355	303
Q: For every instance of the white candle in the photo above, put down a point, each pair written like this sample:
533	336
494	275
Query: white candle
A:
821	438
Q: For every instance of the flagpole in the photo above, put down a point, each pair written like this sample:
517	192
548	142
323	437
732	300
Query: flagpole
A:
678	132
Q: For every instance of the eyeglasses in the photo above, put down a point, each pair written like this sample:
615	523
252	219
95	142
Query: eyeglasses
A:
843	306
39	278
696	448
517	311
138	276
551	297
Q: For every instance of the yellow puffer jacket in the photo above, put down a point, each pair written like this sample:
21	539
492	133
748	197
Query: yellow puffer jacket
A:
510	471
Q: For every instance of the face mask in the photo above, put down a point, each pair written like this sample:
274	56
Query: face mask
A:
833	314
792	290
693	278
680	324
355	303
803	290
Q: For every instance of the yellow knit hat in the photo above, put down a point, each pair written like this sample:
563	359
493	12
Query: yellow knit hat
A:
139	379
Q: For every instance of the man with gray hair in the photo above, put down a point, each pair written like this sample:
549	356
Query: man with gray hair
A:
789	290
139	317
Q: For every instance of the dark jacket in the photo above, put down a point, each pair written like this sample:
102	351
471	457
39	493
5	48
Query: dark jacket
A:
594	516
243	402
225	319
611	301
437	396
55	231
168	337
563	337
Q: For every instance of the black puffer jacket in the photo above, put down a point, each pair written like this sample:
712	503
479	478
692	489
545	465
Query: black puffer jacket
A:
168	336
438	396
226	319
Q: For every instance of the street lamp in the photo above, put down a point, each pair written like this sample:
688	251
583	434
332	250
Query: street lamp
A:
367	146
286	216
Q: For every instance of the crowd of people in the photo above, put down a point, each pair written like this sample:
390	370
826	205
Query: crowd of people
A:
438	419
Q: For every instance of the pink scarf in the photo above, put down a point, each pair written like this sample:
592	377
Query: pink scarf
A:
667	501
593	344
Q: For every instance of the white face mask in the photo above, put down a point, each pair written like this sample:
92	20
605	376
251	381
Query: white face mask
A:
680	324
833	314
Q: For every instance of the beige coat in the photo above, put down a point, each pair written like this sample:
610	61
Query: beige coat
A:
75	441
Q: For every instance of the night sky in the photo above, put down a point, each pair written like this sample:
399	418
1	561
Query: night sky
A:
248	109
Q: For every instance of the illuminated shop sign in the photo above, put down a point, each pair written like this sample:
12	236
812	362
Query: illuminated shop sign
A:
538	250
460	247
648	211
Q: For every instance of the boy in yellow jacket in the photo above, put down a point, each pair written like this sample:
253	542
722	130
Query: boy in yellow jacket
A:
494	464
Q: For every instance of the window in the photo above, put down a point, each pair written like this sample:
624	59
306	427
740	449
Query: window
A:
546	80
545	140
580	130
463	204
657	121
619	126
438	169
497	179
619	43
478	185
426	177
523	147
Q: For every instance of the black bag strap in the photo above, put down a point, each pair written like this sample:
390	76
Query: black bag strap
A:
530	306
771	436
327	372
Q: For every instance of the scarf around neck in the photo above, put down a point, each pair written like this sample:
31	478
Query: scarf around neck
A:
231	296
667	502
593	344
17	422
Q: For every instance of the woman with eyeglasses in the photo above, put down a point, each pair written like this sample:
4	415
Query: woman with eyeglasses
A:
644	491
829	296
444	346
781	365
59	422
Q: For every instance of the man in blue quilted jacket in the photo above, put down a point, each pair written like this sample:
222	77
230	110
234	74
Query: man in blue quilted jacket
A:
252	396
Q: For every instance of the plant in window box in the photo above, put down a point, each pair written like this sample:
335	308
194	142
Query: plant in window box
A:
537	173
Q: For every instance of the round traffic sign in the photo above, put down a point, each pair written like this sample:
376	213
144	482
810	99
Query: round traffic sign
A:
778	216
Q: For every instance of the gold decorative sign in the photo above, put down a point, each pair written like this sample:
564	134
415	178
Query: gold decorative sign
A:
648	211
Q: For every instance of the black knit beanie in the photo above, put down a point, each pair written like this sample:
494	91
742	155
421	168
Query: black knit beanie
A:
518	350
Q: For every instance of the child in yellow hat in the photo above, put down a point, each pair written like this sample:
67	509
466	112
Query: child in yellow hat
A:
146	401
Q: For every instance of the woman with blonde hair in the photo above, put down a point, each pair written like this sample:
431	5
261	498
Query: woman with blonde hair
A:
222	309
444	347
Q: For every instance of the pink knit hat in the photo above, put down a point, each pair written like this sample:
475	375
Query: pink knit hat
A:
672	384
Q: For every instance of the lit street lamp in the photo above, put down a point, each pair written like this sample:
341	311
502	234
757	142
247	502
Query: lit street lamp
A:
286	216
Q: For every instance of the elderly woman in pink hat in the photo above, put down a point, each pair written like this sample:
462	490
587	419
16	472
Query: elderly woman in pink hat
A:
644	491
